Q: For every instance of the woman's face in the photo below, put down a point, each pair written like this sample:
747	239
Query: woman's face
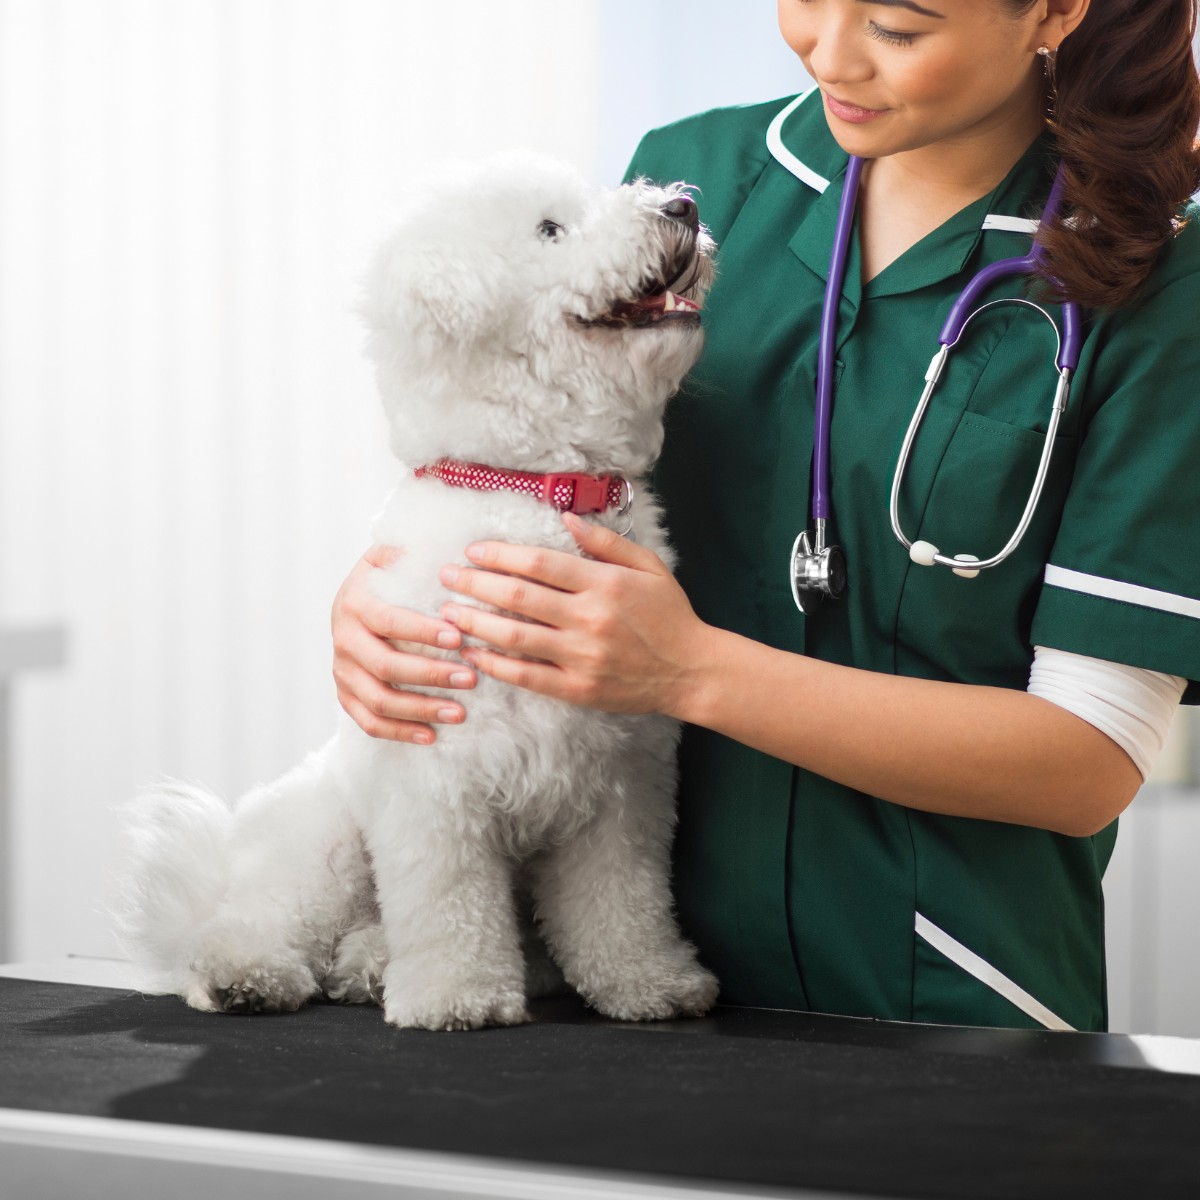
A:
898	75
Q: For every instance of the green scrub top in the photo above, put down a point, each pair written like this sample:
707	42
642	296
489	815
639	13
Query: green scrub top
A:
800	892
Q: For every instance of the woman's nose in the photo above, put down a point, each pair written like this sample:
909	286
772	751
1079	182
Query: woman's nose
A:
837	49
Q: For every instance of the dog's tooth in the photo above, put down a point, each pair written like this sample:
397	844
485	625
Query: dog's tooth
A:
669	302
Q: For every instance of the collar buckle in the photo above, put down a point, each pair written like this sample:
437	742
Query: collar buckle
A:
588	493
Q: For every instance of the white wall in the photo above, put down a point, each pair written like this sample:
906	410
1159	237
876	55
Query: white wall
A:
661	61
189	451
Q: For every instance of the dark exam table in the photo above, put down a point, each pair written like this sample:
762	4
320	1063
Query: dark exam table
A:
106	1091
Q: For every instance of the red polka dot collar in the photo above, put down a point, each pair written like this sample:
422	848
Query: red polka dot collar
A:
565	491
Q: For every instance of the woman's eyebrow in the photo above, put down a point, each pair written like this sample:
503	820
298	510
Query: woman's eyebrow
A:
925	12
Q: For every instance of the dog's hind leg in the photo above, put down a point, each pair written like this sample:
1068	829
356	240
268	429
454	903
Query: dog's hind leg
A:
603	899
298	879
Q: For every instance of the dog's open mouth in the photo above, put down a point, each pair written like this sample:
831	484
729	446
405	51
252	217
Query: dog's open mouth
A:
650	310
662	293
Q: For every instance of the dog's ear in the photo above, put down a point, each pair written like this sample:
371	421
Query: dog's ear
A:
464	299
422	287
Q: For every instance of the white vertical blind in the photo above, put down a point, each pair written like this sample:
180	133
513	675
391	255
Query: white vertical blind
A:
189	445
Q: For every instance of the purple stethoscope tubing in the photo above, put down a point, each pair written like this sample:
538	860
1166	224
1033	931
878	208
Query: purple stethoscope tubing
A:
1069	340
827	346
963	308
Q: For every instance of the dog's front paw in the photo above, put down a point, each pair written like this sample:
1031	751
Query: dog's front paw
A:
456	1012
654	991
458	1008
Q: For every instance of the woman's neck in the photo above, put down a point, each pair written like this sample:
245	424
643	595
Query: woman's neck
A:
908	195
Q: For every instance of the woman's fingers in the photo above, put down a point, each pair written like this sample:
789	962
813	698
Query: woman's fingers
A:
361	650
384	727
395	705
545	678
539	583
606	545
508	635
509	592
356	605
554	568
372	675
394	624
385	712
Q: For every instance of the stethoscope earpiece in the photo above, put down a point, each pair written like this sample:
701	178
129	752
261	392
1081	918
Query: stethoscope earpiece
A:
925	554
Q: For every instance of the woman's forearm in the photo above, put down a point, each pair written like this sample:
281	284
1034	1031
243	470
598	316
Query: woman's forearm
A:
959	749
614	631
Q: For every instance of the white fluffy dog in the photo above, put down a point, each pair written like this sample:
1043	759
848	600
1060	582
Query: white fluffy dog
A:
521	320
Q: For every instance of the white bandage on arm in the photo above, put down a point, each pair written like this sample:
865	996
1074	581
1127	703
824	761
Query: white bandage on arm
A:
1131	705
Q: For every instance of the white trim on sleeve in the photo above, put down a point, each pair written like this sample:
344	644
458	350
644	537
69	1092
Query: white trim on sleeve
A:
1131	705
784	156
1114	589
982	970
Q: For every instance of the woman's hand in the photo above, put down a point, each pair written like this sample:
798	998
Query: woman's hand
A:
613	631
368	670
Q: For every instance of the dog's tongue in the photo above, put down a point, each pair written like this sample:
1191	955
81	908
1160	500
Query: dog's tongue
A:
664	302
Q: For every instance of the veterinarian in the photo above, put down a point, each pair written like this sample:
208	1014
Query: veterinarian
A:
888	808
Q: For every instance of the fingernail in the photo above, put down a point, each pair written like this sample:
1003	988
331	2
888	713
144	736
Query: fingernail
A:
449	613
475	552
449	639
462	679
450	715
423	739
448	575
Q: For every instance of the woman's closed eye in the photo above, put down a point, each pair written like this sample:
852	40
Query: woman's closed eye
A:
892	37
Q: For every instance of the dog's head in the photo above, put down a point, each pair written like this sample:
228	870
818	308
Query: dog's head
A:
520	317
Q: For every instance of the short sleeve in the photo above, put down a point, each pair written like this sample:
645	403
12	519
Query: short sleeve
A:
1123	579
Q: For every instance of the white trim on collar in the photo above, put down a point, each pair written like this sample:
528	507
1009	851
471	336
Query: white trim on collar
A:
783	155
1114	589
819	183
1011	224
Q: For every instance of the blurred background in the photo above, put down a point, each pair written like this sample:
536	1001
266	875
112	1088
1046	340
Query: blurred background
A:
190	452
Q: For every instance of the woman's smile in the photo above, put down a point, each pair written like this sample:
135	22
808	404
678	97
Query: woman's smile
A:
853	113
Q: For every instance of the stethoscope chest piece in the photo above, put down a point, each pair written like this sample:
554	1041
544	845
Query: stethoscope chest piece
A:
817	571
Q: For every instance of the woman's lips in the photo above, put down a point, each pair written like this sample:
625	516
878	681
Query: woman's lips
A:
852	112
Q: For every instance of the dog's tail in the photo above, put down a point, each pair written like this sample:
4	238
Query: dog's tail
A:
173	875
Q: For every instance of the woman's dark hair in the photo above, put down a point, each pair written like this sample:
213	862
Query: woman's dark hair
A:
1124	106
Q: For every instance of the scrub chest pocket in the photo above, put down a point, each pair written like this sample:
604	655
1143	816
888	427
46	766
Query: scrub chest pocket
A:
975	499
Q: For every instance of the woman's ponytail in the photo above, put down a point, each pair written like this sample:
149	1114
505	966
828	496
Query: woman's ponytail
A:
1124	105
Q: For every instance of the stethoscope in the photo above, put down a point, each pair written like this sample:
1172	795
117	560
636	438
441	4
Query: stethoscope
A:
819	569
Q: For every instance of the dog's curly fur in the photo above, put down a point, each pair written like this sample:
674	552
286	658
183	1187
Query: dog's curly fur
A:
505	328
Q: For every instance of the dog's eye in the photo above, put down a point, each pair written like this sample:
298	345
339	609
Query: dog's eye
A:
550	230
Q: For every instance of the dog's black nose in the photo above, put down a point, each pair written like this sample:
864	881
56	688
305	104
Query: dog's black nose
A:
683	208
